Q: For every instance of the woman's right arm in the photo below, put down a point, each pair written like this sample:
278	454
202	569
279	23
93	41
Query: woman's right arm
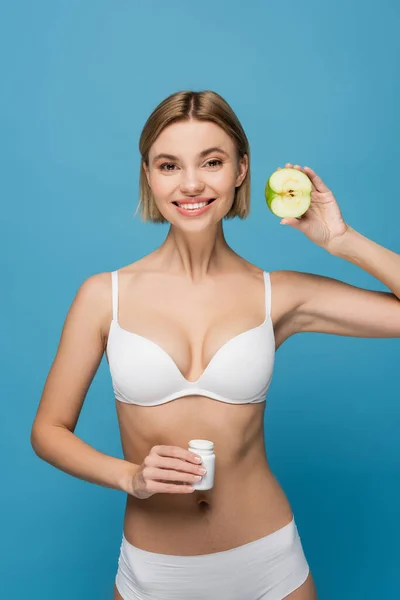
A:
78	357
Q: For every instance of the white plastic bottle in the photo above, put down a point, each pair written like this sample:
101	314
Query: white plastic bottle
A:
205	449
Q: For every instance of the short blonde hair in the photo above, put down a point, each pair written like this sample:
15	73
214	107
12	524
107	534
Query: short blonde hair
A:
184	106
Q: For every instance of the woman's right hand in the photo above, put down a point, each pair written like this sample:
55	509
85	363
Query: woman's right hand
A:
166	470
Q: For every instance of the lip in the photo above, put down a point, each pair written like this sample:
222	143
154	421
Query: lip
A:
194	212
192	200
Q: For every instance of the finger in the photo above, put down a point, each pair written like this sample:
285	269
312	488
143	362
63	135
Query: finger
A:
175	476
157	487
290	166
176	452
178	465
316	180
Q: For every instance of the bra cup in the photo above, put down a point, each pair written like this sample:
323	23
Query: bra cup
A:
143	373
243	370
140	372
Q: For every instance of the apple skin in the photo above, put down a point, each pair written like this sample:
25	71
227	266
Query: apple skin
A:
294	211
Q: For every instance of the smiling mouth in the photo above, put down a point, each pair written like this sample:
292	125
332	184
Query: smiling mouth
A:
208	202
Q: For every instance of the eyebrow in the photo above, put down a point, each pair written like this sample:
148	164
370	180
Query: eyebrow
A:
202	154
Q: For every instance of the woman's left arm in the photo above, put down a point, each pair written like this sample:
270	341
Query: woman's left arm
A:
370	256
327	305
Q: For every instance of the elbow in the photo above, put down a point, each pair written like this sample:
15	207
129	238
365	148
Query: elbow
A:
44	438
40	434
35	439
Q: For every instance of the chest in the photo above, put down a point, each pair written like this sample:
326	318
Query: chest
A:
192	325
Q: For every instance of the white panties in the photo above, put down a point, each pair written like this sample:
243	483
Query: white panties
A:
269	568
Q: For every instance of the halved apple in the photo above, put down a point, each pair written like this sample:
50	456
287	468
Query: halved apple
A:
288	193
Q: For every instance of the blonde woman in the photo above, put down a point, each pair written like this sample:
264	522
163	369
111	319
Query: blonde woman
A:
190	333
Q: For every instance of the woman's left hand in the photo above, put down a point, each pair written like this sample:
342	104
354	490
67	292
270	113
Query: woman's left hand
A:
322	222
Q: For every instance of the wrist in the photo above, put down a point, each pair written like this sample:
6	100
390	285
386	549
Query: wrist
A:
337	246
126	479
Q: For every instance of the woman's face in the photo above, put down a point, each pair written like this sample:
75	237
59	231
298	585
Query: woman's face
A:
194	160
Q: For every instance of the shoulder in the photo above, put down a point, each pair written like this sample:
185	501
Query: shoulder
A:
285	287
286	293
94	299
286	280
94	287
96	291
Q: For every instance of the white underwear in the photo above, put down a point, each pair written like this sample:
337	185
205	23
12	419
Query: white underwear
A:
269	568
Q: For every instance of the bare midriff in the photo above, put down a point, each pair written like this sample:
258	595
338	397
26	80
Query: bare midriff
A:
246	502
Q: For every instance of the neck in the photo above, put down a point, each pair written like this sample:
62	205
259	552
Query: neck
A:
195	254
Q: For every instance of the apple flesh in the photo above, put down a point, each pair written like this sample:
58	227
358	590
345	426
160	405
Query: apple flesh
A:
288	193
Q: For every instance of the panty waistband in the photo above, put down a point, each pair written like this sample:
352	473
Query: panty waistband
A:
275	541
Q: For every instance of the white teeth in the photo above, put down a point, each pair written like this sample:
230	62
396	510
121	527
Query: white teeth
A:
193	206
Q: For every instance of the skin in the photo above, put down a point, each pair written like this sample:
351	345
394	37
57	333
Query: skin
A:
195	248
196	254
191	296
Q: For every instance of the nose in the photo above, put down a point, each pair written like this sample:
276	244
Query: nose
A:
191	181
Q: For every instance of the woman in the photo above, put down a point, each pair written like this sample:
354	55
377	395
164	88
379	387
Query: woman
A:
190	333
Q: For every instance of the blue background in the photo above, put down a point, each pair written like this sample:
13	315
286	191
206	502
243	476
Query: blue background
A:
313	83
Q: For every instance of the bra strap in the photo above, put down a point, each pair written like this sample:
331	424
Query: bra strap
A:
114	284
267	280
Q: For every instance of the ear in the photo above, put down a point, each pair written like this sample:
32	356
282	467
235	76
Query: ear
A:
243	165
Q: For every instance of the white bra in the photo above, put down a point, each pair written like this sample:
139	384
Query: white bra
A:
240	372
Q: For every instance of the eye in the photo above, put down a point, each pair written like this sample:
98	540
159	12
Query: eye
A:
162	167
214	160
